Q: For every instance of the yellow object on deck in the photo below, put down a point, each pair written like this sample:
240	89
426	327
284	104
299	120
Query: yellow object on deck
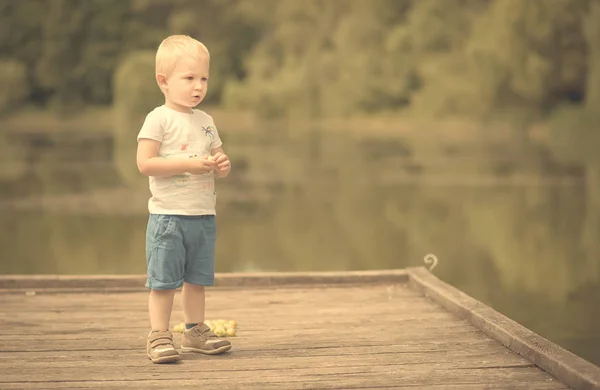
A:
222	328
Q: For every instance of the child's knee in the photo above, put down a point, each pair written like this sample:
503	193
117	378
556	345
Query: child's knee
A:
193	287
162	293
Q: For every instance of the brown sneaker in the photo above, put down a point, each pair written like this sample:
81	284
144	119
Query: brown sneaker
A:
160	347
201	339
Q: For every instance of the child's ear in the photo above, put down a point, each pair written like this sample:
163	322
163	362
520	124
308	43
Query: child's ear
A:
162	81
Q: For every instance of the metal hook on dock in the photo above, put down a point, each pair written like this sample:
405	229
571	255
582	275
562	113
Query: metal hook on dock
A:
431	261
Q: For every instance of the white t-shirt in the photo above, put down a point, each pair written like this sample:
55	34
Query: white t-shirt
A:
182	135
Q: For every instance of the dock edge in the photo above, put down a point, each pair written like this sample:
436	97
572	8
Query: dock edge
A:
565	366
127	283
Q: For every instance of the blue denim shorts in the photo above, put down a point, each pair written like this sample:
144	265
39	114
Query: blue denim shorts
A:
180	248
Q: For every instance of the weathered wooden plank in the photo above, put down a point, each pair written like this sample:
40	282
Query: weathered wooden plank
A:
255	348
201	372
404	308
258	291
287	339
12	283
478	353
274	314
566	366
351	381
57	341
243	301
236	362
273	295
251	328
125	324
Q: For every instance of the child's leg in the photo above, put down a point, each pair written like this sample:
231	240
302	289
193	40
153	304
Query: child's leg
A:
159	346
200	235
160	305
193	302
165	256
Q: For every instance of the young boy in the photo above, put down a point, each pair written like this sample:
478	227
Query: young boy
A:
179	149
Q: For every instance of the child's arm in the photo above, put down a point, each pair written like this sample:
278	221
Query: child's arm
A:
223	163
149	164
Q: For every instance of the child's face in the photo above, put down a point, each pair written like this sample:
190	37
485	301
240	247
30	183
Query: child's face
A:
186	86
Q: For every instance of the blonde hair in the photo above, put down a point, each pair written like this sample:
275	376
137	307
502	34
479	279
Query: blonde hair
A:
174	47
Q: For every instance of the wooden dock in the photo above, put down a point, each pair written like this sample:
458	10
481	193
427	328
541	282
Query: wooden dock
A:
376	329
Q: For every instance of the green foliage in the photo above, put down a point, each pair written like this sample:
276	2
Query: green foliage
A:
81	47
20	28
316	58
319	58
55	70
135	95
13	84
575	135
227	34
13	89
433	40
454	57
536	49
592	35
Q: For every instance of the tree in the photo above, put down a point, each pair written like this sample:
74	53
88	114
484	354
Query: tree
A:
529	54
224	28
136	94
318	58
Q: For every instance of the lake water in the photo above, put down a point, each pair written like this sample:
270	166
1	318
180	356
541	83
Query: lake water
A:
527	247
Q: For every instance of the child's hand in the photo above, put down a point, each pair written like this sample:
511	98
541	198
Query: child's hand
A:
200	166
223	163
